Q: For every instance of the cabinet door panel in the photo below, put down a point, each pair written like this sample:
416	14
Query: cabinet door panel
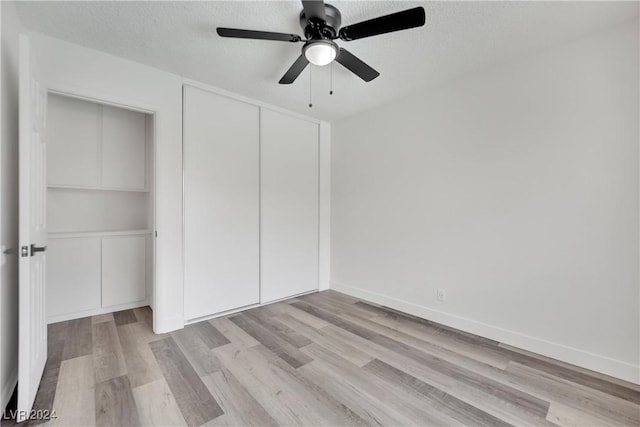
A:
73	275
123	148
72	146
221	203
289	206
123	270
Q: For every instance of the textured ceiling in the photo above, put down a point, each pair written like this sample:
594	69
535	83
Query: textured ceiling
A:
459	38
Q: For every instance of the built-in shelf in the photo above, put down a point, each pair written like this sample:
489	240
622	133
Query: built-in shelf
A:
78	187
74	234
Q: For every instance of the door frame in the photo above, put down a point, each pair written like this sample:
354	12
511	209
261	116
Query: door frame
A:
132	105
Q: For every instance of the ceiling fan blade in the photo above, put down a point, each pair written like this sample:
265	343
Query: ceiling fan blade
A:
314	9
294	71
257	35
356	66
404	20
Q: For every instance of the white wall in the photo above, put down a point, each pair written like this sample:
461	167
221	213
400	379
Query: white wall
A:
85	72
516	191
9	204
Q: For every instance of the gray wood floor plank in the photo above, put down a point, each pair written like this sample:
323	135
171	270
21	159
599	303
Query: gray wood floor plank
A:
266	317
278	346
480	398
618	411
335	320
108	360
156	405
617	390
196	350
465	413
239	406
193	398
233	333
79	340
350	353
323	359
142	367
405	407
209	335
124	317
114	403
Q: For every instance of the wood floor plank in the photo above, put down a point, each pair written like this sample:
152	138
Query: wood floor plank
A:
196	351
463	412
405	407
193	398
335	320
209	335
142	367
124	317
564	415
239	406
613	389
156	405
287	397
283	308
460	356
144	315
233	333
266	318
336	306
49	382
477	397
278	346
114	403
488	355
586	399
107	317
74	401
322	359
585	371
79	338
108	360
349	352
529	403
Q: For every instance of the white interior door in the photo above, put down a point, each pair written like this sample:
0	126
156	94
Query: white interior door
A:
32	335
221	203
289	206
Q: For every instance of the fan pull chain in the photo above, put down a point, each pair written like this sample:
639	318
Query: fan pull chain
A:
331	79
310	68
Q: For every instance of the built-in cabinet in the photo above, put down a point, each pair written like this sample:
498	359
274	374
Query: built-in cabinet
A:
250	204
99	208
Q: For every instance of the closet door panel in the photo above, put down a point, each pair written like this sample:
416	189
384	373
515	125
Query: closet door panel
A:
73	275
221	203
123	270
123	148
289	206
72	148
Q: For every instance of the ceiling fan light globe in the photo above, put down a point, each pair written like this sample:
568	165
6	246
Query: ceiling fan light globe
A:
321	52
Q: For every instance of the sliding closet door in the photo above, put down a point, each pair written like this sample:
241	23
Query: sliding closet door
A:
221	203
289	206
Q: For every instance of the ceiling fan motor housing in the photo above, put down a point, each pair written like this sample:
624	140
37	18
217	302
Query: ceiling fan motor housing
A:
317	29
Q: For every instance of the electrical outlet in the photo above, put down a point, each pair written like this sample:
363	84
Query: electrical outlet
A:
442	294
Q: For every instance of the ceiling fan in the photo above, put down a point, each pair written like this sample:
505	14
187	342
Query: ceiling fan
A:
321	25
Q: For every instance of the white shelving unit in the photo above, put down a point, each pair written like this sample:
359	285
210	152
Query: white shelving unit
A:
99	208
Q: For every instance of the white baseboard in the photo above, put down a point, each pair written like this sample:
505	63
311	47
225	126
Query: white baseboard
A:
95	312
595	362
7	389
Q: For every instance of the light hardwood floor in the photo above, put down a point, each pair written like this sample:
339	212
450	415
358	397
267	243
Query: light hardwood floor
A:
320	359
